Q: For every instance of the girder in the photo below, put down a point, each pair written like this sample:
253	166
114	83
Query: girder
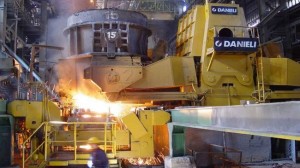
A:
278	120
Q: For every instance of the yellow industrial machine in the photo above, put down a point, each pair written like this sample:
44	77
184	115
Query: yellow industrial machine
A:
35	112
217	33
65	143
218	62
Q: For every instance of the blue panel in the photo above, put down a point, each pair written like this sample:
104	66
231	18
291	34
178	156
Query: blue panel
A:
5	146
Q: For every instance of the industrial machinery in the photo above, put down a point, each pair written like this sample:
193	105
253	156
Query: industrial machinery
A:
202	72
217	63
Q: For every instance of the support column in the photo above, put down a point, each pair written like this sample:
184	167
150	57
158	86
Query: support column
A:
176	140
3	16
261	6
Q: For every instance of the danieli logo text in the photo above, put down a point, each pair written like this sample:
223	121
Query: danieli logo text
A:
235	44
218	43
224	10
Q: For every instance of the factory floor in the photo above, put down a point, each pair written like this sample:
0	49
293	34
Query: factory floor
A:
269	164
273	164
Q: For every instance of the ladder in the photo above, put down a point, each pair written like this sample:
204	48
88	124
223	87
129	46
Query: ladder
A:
261	90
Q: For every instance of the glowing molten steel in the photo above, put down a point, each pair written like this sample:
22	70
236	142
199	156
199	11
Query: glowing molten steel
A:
97	105
87	147
145	161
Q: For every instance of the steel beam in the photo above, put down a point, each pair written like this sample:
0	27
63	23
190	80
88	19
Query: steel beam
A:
27	67
278	120
157	96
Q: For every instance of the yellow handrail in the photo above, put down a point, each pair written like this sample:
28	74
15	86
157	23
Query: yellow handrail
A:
48	126
36	130
26	141
46	141
105	138
260	75
35	151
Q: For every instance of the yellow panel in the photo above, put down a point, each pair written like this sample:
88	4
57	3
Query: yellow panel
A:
190	32
169	72
110	156
134	125
86	156
266	69
144	146
281	71
141	148
122	137
78	162
33	112
114	78
54	112
83	156
58	163
285	94
17	108
284	71
160	117
113	161
34	115
191	29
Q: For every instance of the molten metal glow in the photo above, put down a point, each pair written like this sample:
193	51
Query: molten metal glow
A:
86	116
87	147
145	161
140	161
100	106
90	103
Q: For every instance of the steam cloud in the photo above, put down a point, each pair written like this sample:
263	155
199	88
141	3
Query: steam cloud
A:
67	76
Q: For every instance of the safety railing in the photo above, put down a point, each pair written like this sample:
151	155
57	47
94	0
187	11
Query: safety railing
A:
28	140
50	128
261	90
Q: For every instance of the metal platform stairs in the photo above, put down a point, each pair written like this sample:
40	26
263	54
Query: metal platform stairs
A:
65	144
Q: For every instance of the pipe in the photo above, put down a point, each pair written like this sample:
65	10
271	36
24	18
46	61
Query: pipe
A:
24	65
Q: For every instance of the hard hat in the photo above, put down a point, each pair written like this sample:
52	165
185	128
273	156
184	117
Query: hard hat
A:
93	140
35	157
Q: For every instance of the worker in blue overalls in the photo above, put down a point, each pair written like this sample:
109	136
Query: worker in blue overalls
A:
98	156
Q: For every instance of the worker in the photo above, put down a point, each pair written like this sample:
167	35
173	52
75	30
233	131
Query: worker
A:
98	156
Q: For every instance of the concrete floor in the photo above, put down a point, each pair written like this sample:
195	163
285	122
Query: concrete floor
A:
274	164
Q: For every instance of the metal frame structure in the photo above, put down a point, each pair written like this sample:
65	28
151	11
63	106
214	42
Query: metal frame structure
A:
48	130
218	120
